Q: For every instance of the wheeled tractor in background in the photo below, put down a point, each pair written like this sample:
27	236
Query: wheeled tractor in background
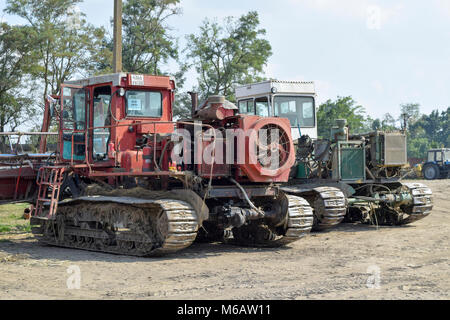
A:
437	165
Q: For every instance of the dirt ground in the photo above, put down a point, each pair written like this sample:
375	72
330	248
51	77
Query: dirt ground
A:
411	262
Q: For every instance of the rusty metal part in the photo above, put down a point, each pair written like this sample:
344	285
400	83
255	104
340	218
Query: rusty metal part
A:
422	203
123	226
144	196
194	102
329	204
330	207
234	192
409	203
298	224
213	113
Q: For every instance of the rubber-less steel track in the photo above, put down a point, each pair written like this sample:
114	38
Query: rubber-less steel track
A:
159	228
422	203
330	207
329	204
298	224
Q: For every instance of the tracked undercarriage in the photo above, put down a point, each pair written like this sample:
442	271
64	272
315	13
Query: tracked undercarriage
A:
126	226
329	204
297	224
118	223
391	204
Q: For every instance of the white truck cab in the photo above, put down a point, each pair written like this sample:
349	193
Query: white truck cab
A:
285	99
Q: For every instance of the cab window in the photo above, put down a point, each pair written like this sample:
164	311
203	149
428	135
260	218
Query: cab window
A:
262	107
447	155
246	107
431	157
144	104
258	107
74	108
299	110
102	118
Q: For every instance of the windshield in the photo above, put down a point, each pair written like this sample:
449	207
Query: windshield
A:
299	110
258	107
144	104
447	155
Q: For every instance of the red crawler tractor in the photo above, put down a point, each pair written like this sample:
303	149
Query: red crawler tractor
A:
126	179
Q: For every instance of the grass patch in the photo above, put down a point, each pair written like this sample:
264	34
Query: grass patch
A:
11	218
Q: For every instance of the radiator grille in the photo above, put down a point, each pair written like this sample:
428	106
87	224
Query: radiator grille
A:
395	149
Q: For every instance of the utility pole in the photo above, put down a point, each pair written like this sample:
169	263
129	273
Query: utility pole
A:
117	63
405	121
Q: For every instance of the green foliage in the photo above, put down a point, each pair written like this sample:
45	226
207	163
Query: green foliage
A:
424	132
428	132
147	42
341	108
410	112
16	61
183	104
226	54
64	42
388	123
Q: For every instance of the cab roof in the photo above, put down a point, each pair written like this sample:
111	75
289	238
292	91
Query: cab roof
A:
132	80
275	87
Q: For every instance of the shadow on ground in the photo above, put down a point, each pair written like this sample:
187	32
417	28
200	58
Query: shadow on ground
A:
38	251
27	245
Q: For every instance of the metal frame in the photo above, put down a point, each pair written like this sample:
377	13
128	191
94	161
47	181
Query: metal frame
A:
339	146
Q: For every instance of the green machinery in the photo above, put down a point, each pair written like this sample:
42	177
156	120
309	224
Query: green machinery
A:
367	169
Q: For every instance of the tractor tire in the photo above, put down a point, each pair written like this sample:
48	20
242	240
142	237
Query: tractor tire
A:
431	172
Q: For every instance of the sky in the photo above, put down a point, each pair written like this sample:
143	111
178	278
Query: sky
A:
381	52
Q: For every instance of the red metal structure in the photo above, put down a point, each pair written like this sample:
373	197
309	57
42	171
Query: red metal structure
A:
115	183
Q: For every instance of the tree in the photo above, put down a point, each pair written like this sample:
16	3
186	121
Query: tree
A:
224	55
445	118
410	113
16	61
183	104
64	40
429	131
388	123
341	108
147	42
376	124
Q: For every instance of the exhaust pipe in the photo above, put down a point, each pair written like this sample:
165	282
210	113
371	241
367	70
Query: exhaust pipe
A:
194	99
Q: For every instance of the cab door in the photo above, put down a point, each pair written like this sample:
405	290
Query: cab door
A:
73	123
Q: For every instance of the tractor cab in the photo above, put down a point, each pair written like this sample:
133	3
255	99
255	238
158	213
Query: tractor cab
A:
437	165
105	116
295	101
440	156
